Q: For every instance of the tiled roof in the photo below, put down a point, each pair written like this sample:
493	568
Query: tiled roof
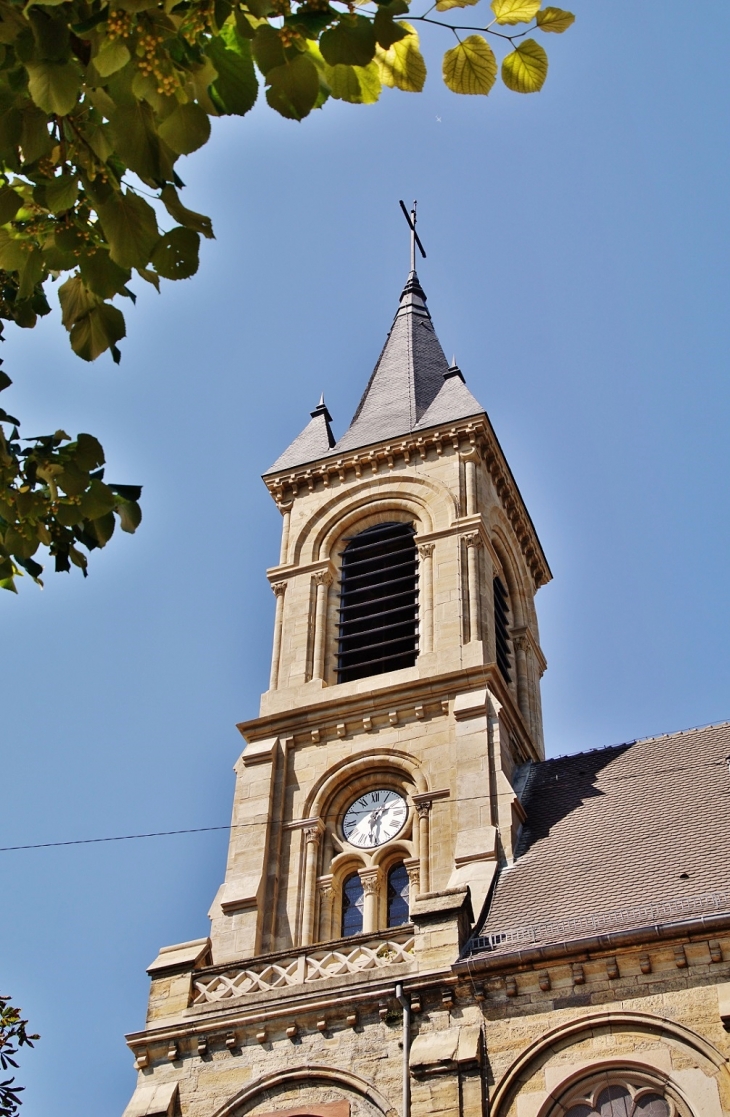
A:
315	441
411	388
614	832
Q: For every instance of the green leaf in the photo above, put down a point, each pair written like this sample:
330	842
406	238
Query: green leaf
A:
51	34
31	274
101	328
360	85
130	516
554	19
10	203
97	501
444	5
186	128
176	254
198	222
293	88
525	69
102	529
89	453
61	193
470	67
135	139
20	545
267	48
130	226
54	86
235	89
112	55
515	11
387	31
13	252
101	275
351	42
76	300
402	65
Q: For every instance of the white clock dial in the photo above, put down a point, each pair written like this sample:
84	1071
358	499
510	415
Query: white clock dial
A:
374	818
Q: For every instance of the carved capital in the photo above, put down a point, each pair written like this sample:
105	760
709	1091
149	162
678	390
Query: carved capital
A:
424	808
413	868
279	588
325	889
473	539
313	832
323	578
370	880
285	506
425	550
470	455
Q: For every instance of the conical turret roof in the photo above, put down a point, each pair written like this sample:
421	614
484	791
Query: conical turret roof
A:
315	441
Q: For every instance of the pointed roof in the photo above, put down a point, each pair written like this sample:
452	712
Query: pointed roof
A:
315	441
408	379
412	388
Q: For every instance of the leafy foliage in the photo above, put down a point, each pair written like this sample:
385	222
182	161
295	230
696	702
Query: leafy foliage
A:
98	101
53	493
13	1034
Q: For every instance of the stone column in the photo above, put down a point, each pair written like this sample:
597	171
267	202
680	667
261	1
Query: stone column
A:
423	807
473	543
523	700
413	868
323	580
285	509
312	835
370	879
470	459
326	896
279	589
425	550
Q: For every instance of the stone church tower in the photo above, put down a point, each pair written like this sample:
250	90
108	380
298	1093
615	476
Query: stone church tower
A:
420	915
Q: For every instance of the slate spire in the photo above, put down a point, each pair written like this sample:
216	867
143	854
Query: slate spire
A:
315	441
411	381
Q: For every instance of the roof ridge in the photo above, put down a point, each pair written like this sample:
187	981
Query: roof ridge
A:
636	741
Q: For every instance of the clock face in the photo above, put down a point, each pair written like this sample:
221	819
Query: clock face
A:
374	818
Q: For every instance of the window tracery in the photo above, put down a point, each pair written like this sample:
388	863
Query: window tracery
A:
353	903
397	897
623	1100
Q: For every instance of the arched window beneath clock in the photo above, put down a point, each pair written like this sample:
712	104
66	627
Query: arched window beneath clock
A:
398	912
353	900
618	1101
378	621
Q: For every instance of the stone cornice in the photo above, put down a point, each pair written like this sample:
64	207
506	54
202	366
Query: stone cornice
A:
479	435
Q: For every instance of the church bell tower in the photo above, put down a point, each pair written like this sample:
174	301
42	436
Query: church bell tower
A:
377	791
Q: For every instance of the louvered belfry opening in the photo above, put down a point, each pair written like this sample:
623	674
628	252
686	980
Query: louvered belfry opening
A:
501	628
378	625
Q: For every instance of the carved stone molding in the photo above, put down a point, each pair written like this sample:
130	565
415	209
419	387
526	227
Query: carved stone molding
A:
425	550
324	578
279	588
313	832
473	539
370	880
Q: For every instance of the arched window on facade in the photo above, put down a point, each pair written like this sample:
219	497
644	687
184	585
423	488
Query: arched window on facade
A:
353	897
501	628
378	623
622	1101
398	912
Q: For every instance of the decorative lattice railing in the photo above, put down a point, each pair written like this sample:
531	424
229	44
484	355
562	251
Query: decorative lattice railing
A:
640	915
318	964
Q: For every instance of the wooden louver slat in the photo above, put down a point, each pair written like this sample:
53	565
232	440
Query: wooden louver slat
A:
378	623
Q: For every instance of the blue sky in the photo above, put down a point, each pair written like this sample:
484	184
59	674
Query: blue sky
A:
577	267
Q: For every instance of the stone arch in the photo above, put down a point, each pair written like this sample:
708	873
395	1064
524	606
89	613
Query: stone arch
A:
259	1091
339	775
574	1032
418	497
512	567
590	1080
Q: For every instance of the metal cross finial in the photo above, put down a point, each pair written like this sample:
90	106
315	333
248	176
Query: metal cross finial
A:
415	239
